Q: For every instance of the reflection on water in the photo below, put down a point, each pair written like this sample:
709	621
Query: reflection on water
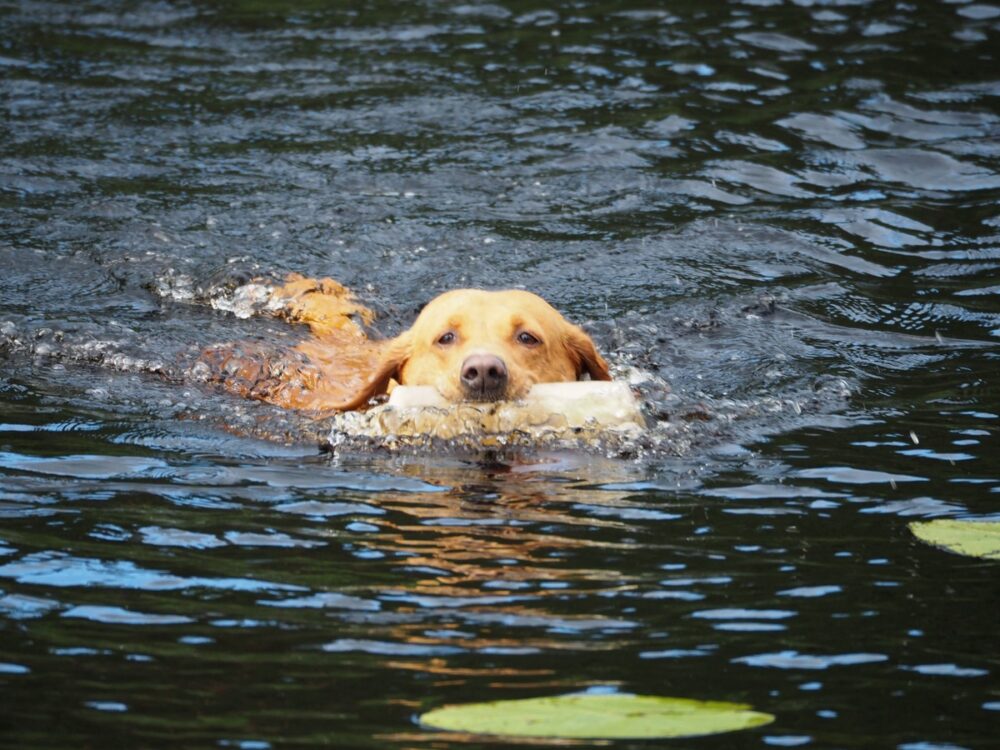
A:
779	221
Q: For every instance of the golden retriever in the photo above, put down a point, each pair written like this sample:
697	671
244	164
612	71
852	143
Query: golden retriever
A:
475	345
469	344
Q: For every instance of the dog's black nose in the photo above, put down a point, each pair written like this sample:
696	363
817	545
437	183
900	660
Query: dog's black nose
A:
484	377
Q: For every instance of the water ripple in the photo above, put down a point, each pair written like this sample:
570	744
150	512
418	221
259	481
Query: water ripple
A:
65	571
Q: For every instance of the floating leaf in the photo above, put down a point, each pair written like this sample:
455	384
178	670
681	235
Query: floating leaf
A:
597	716
974	538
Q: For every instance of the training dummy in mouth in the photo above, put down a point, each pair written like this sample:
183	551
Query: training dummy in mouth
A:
583	409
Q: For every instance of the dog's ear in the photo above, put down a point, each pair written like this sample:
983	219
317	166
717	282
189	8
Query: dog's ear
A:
390	363
583	351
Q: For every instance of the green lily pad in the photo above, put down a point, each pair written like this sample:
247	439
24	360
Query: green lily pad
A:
597	716
973	538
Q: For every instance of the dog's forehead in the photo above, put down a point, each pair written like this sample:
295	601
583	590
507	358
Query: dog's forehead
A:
481	304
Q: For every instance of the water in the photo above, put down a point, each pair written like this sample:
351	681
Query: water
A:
787	211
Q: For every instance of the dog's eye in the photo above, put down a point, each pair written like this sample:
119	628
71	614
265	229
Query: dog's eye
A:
527	339
446	338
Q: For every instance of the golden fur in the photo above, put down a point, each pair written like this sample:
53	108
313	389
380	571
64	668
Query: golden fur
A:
340	368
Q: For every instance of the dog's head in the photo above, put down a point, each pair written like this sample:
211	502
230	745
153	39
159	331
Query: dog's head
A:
475	345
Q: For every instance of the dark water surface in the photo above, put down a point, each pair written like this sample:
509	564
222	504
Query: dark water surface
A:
788	211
